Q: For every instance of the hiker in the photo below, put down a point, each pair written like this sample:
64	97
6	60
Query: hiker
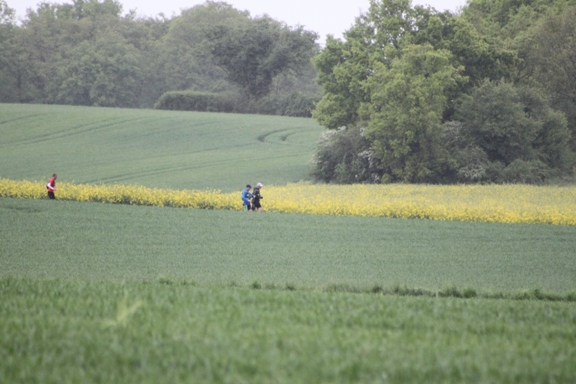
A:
246	195
51	187
256	197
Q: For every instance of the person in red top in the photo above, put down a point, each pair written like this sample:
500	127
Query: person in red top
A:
51	186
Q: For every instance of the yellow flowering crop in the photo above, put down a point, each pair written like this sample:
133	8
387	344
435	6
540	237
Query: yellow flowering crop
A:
494	203
120	194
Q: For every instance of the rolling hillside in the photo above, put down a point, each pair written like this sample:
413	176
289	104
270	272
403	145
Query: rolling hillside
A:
181	150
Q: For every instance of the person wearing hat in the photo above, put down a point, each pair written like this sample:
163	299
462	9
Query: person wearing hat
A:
256	197
246	195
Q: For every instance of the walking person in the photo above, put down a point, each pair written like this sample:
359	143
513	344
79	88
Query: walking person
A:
246	195
51	187
256	197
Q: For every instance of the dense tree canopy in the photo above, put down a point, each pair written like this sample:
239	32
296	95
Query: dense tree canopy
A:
7	49
88	53
253	53
486	95
407	101
504	127
554	61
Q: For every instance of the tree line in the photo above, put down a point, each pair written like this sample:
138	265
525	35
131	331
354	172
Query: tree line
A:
87	53
414	95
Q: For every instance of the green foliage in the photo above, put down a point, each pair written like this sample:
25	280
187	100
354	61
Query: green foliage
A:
399	71
195	101
554	60
380	36
188	64
87	53
294	104
342	72
91	9
84	53
509	134
541	35
344	156
6	13
7	51
478	55
530	172
102	73
255	51
373	79
408	100
505	18
335	111
496	121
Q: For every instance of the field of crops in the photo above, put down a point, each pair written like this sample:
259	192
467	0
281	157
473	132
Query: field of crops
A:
332	284
118	293
156	149
62	331
90	241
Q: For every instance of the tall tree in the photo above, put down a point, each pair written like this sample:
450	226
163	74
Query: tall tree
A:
344	66
48	35
188	63
253	53
400	71
505	126
104	73
42	42
343	70
407	103
8	53
379	36
554	58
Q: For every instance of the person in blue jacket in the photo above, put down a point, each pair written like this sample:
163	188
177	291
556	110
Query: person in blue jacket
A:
246	196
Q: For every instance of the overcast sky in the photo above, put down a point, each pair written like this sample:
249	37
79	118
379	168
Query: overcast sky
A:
321	16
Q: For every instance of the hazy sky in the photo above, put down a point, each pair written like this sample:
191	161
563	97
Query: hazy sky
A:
322	16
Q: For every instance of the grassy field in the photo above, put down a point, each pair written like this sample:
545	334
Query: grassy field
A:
100	293
62	331
90	241
164	149
108	293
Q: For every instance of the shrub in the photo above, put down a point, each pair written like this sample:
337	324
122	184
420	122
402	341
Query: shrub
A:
195	101
531	172
344	156
294	105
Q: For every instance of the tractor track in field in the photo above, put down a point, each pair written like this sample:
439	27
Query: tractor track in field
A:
72	131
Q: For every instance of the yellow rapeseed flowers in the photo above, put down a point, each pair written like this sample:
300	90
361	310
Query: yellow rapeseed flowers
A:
493	203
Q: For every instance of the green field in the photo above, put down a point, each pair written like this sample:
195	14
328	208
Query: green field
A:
114	293
102	293
91	241
164	149
60	331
